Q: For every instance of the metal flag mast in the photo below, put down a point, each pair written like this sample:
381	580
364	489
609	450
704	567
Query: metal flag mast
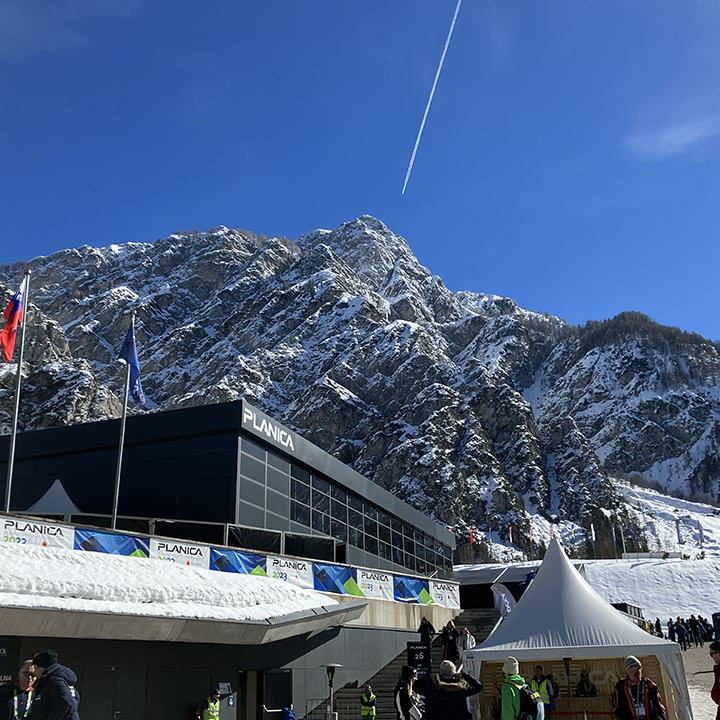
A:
18	381
118	470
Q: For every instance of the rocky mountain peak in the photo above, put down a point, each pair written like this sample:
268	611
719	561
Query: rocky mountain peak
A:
474	410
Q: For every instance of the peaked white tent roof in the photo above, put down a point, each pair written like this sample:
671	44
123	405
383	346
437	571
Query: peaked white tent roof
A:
560	615
55	500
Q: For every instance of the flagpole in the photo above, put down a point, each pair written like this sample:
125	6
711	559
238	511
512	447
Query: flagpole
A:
118	470
18	380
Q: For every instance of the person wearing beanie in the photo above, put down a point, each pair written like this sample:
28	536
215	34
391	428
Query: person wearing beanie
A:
585	688
55	694
510	692
407	704
16	698
635	696
446	693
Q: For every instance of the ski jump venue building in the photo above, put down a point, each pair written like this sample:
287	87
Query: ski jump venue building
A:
225	489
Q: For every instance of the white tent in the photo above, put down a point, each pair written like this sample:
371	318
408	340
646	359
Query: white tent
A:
560	615
55	500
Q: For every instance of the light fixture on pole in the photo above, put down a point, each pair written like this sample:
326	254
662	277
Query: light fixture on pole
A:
330	668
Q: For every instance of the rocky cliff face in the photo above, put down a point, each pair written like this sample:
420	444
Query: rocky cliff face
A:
475	411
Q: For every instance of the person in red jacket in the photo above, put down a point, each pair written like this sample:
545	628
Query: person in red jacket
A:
635	696
715	692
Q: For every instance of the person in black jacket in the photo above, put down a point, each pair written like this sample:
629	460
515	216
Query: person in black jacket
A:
55	694
16	698
406	701
449	641
426	630
446	693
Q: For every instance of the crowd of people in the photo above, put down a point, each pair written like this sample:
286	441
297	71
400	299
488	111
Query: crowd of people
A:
44	690
454	641
686	631
443	696
436	696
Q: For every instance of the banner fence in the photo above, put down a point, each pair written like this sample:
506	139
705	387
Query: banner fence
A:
324	577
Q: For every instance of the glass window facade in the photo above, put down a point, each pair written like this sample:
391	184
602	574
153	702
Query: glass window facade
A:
199	471
322	505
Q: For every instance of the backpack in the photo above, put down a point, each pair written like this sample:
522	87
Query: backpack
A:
287	714
529	700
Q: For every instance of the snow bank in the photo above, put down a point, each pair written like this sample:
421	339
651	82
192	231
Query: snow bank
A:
50	578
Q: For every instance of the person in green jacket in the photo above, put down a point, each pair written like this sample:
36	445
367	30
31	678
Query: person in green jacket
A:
210	709
367	704
510	692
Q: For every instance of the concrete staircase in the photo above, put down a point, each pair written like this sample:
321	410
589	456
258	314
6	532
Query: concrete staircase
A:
347	700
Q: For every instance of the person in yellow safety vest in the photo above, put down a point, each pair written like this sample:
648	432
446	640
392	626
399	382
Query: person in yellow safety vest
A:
543	686
367	704
210	709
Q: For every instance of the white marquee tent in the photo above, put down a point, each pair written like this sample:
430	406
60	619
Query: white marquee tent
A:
560	615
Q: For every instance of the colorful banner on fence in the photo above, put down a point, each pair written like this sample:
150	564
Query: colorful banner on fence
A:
180	553
412	590
445	594
338	579
291	570
237	562
111	543
376	584
43	534
341	579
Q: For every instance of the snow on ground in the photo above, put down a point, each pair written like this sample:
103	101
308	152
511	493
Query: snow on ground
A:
50	578
662	588
664	516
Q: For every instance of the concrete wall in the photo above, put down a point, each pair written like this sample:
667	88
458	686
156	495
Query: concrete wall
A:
397	615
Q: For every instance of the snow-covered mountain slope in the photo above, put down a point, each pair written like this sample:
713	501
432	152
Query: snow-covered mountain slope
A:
475	411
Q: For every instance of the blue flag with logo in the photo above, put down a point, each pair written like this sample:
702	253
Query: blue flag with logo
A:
128	353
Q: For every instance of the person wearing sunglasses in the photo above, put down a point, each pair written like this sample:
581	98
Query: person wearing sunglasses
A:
16	698
636	696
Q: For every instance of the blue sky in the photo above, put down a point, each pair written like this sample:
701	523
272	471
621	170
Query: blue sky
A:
570	159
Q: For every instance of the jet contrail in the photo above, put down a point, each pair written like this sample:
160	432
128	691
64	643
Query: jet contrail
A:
432	92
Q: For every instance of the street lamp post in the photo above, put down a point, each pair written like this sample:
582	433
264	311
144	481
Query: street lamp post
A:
330	669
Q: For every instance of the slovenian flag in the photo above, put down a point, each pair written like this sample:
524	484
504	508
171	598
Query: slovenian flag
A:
12	315
128	353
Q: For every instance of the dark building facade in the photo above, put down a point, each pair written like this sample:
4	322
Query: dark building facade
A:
227	474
